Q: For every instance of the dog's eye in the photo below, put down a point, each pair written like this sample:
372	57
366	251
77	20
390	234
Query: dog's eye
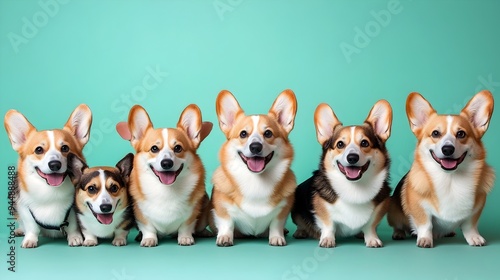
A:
243	134
92	190
64	148
39	150
340	145
268	133
436	134
364	143
461	134
113	188
155	149
177	149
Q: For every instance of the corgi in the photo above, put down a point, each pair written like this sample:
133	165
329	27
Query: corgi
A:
449	179
102	204
168	177
349	193
253	187
44	193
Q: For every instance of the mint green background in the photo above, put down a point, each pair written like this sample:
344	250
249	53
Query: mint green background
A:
96	52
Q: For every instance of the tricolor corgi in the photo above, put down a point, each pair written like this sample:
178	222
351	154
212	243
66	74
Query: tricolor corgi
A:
349	193
168	177
253	188
449	179
45	194
102	203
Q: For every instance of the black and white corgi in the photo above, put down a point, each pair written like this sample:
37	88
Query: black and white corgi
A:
102	203
449	179
349	193
45	194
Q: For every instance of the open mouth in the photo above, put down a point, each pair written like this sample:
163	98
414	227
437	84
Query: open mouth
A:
256	164
52	179
167	177
105	219
448	163
353	173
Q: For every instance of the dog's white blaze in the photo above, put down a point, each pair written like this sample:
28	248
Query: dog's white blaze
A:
449	120
104	197
349	218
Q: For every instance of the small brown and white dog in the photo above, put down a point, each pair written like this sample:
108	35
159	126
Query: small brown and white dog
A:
168	177
102	203
349	193
45	194
449	179
254	186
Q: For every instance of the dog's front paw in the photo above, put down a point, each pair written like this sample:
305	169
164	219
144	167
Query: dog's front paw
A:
277	241
424	242
29	243
327	242
75	240
224	241
374	243
149	242
119	241
185	240
476	240
89	242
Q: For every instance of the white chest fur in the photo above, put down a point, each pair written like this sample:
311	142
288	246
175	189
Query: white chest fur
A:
167	207
455	192
254	217
349	218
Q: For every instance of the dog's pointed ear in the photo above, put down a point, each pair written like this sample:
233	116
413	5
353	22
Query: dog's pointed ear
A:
479	110
18	129
284	109
79	123
123	130
76	168
228	110
190	122
206	128
380	119
418	111
138	123
325	122
125	166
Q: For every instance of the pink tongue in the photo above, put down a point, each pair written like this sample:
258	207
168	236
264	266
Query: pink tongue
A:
55	179
449	163
166	177
256	164
352	172
105	218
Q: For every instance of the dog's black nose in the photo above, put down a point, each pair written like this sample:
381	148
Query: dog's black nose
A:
105	208
255	148
54	165
448	150
352	158
167	163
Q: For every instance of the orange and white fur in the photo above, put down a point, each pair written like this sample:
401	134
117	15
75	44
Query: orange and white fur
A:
254	187
168	177
45	194
447	184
